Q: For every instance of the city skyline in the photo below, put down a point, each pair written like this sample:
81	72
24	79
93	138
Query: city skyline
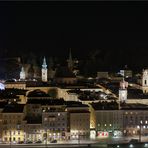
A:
74	74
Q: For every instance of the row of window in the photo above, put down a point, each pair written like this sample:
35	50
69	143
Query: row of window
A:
12	139
12	132
12	116
11	121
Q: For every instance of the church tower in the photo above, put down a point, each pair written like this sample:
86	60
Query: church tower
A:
22	74
70	61
145	81
44	71
123	91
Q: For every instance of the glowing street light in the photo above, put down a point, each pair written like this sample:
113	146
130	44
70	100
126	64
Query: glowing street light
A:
140	129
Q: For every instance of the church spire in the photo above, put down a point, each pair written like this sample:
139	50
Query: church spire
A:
70	61
44	65
22	74
44	70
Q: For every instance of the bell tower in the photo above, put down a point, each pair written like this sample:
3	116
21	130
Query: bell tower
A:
44	71
145	80
22	74
70	61
123	91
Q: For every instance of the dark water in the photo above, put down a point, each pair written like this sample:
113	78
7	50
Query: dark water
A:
129	145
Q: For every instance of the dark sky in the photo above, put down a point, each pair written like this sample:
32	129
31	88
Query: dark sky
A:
53	27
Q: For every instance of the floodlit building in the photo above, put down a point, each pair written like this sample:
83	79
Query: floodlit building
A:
13	124
79	124
79	120
135	119
106	120
54	123
33	129
15	84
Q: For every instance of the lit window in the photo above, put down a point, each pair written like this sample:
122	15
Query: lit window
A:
45	119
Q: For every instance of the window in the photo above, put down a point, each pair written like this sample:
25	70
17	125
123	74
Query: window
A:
45	119
145	82
18	132
5	139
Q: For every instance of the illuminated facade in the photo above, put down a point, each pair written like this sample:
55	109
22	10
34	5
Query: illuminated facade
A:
55	124
134	120
13	125
33	132
17	85
109	121
79	124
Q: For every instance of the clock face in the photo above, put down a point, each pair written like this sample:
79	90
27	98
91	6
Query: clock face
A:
123	95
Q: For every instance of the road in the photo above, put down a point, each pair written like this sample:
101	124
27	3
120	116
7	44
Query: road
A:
97	143
45	146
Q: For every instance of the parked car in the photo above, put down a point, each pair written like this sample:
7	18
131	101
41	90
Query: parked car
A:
39	141
29	142
53	141
134	141
20	142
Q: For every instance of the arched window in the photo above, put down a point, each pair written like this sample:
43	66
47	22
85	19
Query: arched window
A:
145	82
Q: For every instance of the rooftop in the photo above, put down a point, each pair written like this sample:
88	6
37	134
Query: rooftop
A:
34	120
134	106
13	108
79	111
36	84
104	105
75	104
133	93
46	101
37	93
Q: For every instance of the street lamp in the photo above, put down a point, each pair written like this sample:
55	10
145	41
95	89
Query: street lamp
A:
140	129
46	137
10	138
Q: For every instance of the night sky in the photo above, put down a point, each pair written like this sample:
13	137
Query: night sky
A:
118	30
